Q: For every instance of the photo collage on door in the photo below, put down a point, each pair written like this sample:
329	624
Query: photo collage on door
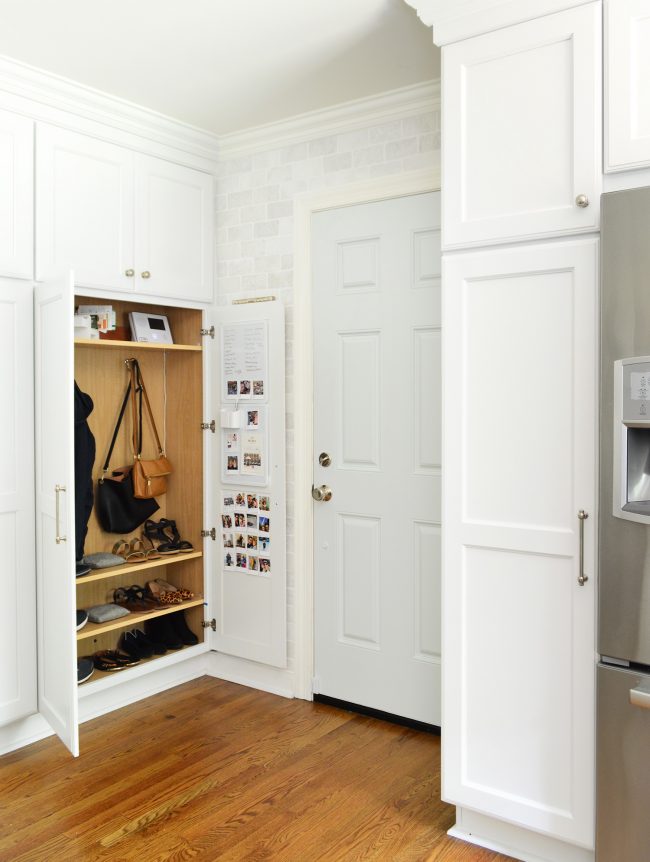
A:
246	537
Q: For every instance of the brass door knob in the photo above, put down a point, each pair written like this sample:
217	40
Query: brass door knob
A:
322	494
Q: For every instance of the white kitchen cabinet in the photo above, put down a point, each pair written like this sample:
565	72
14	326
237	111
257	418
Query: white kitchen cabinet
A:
627	97
521	127
174	230
17	584
122	220
520	438
17	196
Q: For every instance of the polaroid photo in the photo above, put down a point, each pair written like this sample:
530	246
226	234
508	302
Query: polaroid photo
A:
241	561
251	501
244	389
253	419
258	389
240	519
229	560
227	540
265	504
251	522
232	441
251	543
226	521
240	500
240	540
228	501
265	566
264	543
232	464
252	564
231	386
264	524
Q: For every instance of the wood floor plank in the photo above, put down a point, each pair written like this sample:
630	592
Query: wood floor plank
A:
214	771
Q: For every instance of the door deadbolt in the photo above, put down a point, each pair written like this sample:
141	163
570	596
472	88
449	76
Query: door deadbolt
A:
324	459
322	494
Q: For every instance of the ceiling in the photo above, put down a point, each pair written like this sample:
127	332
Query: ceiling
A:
224	65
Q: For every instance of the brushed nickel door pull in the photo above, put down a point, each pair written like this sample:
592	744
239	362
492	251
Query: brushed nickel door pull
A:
58	489
582	578
322	494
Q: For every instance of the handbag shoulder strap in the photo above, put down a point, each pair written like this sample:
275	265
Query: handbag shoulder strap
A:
117	428
138	382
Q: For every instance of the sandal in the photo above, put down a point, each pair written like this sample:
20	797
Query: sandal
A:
181	545
129	551
153	530
148	547
170	588
135	599
163	597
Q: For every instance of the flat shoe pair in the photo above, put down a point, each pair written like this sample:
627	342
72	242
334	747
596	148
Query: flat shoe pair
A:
112	660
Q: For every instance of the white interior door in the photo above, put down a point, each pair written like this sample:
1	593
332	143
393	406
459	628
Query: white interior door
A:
377	396
55	547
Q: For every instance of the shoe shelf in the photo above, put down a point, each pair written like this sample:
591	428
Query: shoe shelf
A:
134	345
112	571
133	620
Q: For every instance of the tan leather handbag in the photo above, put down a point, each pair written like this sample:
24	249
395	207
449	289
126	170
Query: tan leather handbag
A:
149	475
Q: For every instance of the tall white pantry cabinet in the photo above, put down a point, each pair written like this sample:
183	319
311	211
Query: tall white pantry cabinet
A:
105	203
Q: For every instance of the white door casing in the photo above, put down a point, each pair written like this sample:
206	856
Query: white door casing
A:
84	209
522	118
627	69
17	198
520	442
55	560
376	282
174	229
17	574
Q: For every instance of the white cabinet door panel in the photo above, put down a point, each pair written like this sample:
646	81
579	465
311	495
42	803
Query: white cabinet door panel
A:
627	120
174	230
522	130
84	209
16	196
520	438
17	573
55	545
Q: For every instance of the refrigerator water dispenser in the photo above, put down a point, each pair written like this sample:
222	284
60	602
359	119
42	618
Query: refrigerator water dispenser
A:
631	484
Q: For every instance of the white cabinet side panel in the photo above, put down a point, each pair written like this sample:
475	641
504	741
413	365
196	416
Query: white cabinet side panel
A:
17	196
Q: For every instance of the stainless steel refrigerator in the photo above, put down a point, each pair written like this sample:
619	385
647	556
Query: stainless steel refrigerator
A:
623	711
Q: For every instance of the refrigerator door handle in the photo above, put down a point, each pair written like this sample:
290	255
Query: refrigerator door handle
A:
640	696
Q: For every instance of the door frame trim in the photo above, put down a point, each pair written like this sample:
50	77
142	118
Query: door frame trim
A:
382	188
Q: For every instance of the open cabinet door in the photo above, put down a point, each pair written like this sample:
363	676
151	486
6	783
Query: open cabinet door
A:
247	374
55	547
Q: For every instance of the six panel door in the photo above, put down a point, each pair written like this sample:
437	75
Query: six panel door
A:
520	438
17	198
521	124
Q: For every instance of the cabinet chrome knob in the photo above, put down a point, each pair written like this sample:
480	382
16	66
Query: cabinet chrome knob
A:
582	201
146	274
322	494
129	273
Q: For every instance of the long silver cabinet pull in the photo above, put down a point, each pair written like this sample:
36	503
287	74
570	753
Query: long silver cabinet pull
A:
582	517
640	696
57	490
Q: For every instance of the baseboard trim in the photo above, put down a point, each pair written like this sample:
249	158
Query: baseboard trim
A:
251	674
378	713
514	841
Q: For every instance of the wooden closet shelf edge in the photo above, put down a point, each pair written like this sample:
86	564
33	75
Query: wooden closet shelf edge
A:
135	345
133	619
112	571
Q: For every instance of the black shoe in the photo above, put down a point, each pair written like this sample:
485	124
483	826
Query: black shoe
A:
134	647
85	669
82	569
156	647
182	629
82	619
160	630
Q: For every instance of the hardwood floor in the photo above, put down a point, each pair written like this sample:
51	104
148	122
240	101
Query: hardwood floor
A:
215	771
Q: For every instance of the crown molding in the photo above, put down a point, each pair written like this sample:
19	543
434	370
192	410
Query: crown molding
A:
453	20
58	93
348	116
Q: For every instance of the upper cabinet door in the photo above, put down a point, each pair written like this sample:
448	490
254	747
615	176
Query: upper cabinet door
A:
16	196
521	150
174	230
627	120
84	209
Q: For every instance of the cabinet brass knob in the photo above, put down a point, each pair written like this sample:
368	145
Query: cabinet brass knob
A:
146	274
129	273
582	201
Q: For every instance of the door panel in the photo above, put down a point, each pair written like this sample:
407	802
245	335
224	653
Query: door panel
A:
376	275
17	199
84	209
174	238
55	548
520	437
506	175
18	585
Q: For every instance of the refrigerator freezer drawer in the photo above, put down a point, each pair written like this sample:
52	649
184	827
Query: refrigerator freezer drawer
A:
623	763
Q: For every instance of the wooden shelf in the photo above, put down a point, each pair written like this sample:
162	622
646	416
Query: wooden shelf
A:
102	679
112	571
135	345
133	620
